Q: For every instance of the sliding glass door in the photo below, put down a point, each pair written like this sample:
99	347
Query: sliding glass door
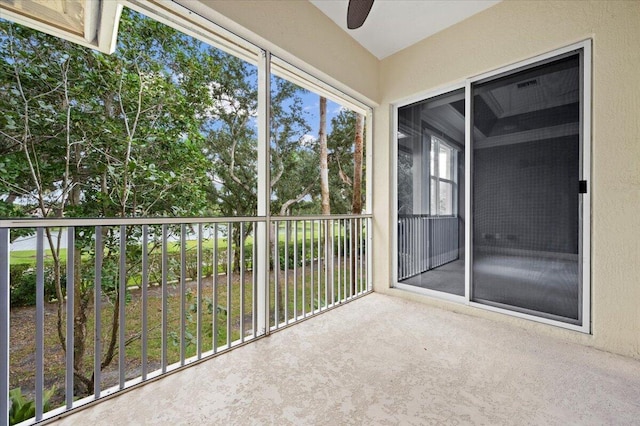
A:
510	152
526	189
431	194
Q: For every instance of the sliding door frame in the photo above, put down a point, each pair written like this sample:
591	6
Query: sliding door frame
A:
584	204
394	217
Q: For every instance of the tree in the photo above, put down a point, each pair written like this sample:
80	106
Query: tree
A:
346	147
294	159
232	146
91	135
324	194
293	162
347	153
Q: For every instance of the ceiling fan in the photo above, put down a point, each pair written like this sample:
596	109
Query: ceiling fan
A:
357	13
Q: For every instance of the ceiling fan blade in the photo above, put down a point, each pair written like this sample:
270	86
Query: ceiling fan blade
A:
357	13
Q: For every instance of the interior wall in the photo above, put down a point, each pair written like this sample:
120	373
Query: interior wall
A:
301	34
516	30
511	31
515	179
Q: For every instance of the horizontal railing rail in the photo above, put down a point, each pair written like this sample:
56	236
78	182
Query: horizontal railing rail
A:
116	221
107	304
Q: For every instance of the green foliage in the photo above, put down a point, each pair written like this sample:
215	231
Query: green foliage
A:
290	253
191	317
23	276
165	126
191	263
93	135
341	146
294	161
22	408
141	155
23	285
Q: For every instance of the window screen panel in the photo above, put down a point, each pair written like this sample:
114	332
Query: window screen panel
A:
526	168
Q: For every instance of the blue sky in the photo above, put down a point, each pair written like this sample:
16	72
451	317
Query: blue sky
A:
312	108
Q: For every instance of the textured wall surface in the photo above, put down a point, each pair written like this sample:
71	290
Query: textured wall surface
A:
297	31
517	30
509	32
526	196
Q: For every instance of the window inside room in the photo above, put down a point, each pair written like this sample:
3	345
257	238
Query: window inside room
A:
443	179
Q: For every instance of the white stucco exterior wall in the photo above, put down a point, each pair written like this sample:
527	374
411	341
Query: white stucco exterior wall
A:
301	34
510	32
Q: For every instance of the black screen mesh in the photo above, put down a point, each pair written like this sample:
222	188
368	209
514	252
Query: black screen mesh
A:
526	164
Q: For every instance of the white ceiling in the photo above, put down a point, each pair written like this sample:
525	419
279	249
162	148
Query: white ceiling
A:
393	25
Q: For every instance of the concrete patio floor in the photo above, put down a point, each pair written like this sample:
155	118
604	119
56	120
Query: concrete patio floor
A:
383	360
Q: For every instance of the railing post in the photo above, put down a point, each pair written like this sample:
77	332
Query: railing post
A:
5	309
39	323
369	255
69	338
264	190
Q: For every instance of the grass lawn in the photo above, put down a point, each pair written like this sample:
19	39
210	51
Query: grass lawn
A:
298	293
28	257
227	311
173	247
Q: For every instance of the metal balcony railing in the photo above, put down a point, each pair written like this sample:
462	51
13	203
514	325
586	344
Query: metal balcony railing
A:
426	242
117	302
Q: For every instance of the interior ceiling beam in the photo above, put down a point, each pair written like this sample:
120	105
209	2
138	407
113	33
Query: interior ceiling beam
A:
552	132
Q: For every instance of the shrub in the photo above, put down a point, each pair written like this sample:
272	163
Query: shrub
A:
22	408
23	285
290	253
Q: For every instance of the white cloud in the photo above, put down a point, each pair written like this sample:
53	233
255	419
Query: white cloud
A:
308	141
312	107
224	103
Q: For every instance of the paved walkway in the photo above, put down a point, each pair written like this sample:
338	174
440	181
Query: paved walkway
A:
382	360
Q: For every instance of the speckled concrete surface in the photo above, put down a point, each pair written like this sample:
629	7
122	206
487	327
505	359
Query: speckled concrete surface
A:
382	360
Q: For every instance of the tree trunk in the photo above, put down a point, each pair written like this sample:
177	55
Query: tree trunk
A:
356	202
324	158
237	241
79	318
79	300
326	206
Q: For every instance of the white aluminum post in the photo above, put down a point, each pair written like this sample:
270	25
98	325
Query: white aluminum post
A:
369	195
585	258
262	228
4	325
468	188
